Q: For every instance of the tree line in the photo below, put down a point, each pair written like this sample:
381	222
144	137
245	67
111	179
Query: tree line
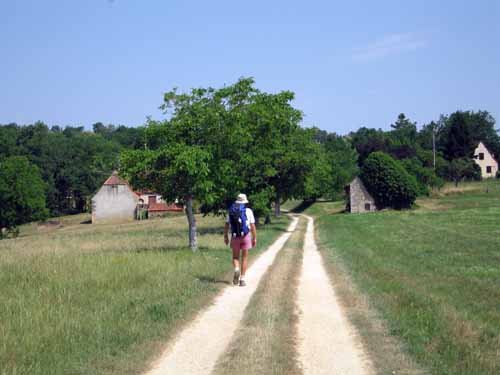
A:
55	171
217	142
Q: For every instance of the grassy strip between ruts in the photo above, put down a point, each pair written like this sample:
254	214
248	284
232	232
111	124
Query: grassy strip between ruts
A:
265	341
433	274
104	299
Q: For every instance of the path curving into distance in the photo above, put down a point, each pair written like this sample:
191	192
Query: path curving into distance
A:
196	349
327	341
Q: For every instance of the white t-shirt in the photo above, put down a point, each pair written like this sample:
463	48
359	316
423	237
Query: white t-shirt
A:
250	217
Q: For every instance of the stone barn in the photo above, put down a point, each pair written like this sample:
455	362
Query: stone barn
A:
359	199
114	202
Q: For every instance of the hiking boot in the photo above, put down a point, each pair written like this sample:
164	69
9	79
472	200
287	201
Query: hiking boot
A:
236	277
243	283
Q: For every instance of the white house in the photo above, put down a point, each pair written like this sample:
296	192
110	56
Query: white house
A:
486	161
114	202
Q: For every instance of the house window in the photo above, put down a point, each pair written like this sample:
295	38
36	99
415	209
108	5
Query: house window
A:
488	169
481	156
367	206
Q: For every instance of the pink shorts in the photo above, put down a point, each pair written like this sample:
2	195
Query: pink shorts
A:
242	243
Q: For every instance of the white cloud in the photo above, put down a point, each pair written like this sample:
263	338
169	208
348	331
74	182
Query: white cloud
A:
389	45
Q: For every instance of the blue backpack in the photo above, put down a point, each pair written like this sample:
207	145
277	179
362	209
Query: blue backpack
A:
238	220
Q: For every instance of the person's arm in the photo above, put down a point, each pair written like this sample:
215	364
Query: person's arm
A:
253	229
226	232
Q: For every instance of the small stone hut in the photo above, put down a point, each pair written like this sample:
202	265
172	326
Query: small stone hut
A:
359	199
114	202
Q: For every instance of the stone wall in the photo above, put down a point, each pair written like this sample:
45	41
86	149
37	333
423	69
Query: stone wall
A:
359	198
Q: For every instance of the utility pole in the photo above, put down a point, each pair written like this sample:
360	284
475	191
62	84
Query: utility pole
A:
434	145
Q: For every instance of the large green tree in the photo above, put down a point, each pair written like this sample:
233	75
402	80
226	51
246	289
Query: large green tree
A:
22	193
402	138
276	160
195	155
366	141
342	158
218	142
456	137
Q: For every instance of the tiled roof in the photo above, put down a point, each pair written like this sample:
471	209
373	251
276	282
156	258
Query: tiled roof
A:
115	180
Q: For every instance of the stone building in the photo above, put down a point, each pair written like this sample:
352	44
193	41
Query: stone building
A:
114	202
486	161
359	199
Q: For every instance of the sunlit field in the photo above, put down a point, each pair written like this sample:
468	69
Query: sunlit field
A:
85	299
433	272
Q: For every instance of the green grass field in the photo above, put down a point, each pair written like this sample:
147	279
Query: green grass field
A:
86	299
433	273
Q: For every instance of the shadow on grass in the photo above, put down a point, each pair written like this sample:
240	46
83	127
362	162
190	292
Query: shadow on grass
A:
176	248
212	280
302	207
271	227
211	230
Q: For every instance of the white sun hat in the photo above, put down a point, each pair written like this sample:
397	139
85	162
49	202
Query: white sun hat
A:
242	198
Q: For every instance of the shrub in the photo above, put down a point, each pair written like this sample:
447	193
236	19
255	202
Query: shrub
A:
463	169
423	175
388	181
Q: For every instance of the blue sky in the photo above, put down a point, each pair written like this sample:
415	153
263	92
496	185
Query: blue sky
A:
350	63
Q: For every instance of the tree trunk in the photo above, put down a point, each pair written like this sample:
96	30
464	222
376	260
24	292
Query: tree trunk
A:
193	239
268	219
277	207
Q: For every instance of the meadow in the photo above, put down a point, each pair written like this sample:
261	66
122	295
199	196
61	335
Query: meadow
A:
104	299
432	274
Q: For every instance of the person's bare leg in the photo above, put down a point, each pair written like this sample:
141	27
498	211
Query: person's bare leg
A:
236	265
244	261
236	259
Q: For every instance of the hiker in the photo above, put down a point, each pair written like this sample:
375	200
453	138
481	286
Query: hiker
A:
243	236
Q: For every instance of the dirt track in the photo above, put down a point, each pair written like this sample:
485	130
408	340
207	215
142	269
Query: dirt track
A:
197	348
327	343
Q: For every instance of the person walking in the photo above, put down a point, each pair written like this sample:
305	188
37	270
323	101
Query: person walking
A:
241	221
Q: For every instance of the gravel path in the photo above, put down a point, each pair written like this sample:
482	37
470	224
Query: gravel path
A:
197	348
327	342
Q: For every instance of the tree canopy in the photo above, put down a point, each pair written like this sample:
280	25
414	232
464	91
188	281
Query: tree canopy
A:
22	193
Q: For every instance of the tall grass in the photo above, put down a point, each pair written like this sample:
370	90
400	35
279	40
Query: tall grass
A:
88	299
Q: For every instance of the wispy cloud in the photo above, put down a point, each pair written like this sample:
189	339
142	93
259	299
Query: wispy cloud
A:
389	45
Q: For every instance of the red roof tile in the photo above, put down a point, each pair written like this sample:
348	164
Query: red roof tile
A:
115	180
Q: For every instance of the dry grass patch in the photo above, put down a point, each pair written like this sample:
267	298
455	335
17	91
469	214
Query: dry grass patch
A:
462	187
265	342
